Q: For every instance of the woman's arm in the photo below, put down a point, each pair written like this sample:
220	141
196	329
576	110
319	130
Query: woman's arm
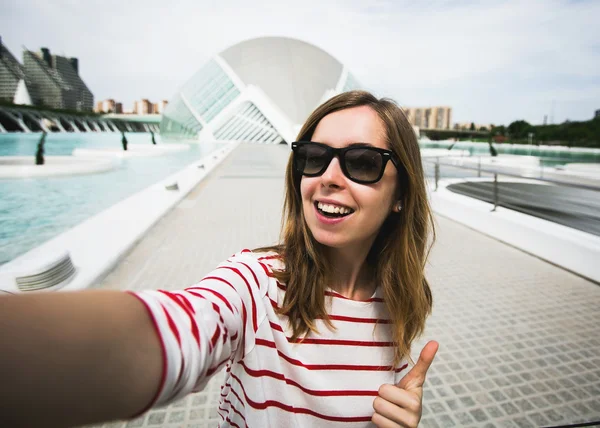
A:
76	358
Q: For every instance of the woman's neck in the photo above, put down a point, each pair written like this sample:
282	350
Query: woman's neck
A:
352	277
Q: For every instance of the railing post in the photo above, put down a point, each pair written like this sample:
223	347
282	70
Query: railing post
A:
495	192
437	172
479	167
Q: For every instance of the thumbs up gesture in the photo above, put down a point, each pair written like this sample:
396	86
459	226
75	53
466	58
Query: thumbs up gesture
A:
400	405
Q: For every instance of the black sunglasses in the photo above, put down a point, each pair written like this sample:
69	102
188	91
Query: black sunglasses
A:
361	164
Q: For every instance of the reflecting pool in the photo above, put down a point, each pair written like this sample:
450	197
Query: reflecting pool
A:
34	210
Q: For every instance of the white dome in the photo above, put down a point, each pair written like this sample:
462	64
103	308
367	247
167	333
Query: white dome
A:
259	90
294	74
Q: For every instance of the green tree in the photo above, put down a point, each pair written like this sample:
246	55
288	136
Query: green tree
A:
472	127
519	129
498	130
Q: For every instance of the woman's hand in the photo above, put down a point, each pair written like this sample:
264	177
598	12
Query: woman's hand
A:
400	405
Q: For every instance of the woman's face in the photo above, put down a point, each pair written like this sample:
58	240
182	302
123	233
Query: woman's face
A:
370	204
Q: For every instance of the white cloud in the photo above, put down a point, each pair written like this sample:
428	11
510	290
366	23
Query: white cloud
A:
495	61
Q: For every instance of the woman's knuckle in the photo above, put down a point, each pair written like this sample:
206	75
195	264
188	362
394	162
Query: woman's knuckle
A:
414	406
376	419
383	388
415	421
377	403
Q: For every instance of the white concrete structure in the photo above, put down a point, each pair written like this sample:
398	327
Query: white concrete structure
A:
260	90
572	249
95	246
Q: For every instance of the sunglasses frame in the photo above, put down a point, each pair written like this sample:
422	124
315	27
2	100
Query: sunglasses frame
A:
386	155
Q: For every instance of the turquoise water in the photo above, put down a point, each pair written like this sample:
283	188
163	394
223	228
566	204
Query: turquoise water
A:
35	210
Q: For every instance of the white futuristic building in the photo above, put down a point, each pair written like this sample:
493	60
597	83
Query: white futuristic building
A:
261	90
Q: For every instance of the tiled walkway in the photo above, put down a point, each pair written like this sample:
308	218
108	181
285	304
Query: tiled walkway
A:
519	338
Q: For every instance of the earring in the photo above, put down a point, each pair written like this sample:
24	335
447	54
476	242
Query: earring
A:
398	206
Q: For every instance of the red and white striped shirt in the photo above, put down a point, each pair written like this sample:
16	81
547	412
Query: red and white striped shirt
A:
229	318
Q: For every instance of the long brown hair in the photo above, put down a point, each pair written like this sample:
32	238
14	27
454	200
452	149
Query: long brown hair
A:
398	254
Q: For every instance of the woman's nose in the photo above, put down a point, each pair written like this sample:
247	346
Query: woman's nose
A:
333	175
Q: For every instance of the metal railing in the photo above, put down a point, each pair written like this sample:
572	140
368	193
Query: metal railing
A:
504	170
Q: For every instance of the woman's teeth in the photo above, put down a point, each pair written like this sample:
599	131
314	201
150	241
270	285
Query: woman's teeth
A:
333	209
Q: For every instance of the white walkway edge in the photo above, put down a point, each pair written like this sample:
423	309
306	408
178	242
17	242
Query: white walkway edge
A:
100	242
569	248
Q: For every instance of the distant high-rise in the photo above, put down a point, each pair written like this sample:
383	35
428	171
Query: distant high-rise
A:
430	117
106	106
56	82
597	113
143	107
160	107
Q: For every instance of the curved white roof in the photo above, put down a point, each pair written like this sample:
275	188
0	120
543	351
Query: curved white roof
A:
259	90
293	74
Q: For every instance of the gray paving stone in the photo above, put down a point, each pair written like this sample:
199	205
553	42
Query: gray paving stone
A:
494	412
467	401
483	398
566	396
512	393
437	407
453	404
523	422
479	415
177	416
539	387
445	421
459	389
428	395
156	418
526	390
429	423
554	416
135	423
509	408
498	395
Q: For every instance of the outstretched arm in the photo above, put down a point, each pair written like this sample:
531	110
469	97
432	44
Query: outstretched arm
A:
76	358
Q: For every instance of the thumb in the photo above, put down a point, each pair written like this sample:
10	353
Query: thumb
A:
416	376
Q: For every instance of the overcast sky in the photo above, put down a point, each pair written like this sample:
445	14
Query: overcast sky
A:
491	61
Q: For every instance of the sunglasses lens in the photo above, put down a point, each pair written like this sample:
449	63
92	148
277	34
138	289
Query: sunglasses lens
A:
310	159
364	164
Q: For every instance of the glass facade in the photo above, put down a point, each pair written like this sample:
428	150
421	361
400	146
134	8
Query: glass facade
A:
259	90
55	81
178	121
200	100
248	124
11	72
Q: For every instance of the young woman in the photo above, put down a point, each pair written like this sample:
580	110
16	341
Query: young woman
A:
313	332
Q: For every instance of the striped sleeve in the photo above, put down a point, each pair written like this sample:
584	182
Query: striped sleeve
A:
208	324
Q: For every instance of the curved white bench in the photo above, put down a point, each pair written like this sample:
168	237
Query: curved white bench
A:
55	272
